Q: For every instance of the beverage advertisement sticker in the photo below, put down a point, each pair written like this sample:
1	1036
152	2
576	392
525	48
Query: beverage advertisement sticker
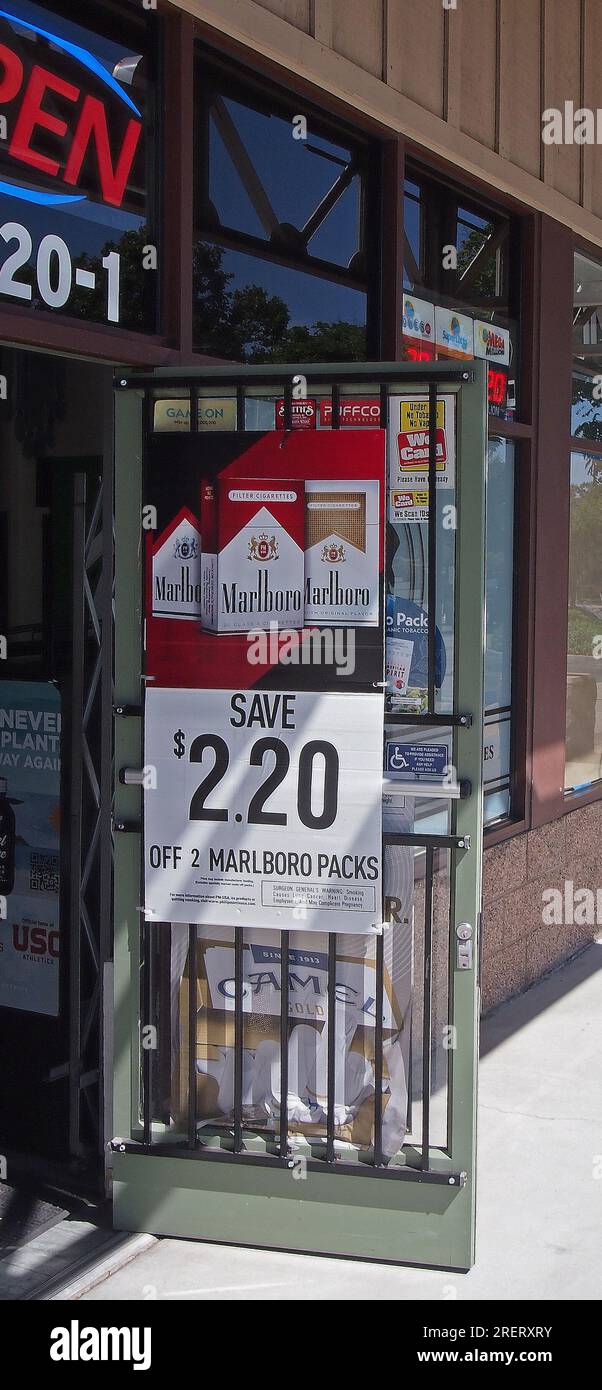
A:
265	809
30	733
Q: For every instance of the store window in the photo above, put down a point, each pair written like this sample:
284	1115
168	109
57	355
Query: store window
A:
586	404
461	300
583	764
499	608
584	674
460	282
75	216
282	260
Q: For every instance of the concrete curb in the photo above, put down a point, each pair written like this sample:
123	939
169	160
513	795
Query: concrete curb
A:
116	1259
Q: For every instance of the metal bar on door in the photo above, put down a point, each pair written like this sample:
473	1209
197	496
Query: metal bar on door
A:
427	1006
147	929
284	988
192	1042
432	546
238	1036
378	1052
331	1042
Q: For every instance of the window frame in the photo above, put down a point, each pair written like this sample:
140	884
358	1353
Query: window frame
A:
575	798
523	433
255	88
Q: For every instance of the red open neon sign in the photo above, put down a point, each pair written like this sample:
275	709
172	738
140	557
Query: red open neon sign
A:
56	123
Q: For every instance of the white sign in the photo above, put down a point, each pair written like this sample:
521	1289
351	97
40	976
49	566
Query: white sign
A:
266	810
418	321
453	333
491	342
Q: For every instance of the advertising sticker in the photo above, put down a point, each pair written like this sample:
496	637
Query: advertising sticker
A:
418	324
406	659
454	334
409	454
492	342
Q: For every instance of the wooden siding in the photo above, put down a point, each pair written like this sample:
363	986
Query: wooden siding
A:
468	83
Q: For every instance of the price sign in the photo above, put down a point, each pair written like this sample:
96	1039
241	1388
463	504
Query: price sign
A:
264	810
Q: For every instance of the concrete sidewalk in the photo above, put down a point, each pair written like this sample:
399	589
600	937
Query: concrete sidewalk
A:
539	1203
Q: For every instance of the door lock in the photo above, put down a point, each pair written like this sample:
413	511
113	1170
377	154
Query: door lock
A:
464	946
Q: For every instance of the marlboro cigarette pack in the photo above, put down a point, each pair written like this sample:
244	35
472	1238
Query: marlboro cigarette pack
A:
252	565
341	552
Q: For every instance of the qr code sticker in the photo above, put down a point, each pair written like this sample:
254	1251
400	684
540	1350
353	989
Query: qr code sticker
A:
44	873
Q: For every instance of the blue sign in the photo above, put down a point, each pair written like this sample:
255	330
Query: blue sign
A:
413	761
406	620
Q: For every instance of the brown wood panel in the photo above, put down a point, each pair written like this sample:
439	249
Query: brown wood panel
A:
592	154
415	51
562	82
519	84
295	12
320	21
358	33
452	67
552	521
478	70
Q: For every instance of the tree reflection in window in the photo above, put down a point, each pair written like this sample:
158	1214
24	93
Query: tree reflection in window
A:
280	266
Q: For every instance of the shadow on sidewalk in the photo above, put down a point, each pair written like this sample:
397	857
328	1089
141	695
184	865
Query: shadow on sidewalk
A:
508	1018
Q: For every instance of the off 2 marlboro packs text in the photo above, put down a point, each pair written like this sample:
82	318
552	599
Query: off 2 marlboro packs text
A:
252	569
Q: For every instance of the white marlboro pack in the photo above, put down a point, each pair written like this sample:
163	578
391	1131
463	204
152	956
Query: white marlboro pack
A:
176	569
252	563
342	552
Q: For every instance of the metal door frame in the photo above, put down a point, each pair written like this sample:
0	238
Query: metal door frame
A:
421	1215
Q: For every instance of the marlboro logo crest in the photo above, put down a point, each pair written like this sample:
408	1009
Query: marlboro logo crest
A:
186	548
334	554
263	548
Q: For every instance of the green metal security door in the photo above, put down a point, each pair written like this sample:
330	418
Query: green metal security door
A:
383	1167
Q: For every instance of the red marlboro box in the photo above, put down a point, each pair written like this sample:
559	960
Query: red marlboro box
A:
252	569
